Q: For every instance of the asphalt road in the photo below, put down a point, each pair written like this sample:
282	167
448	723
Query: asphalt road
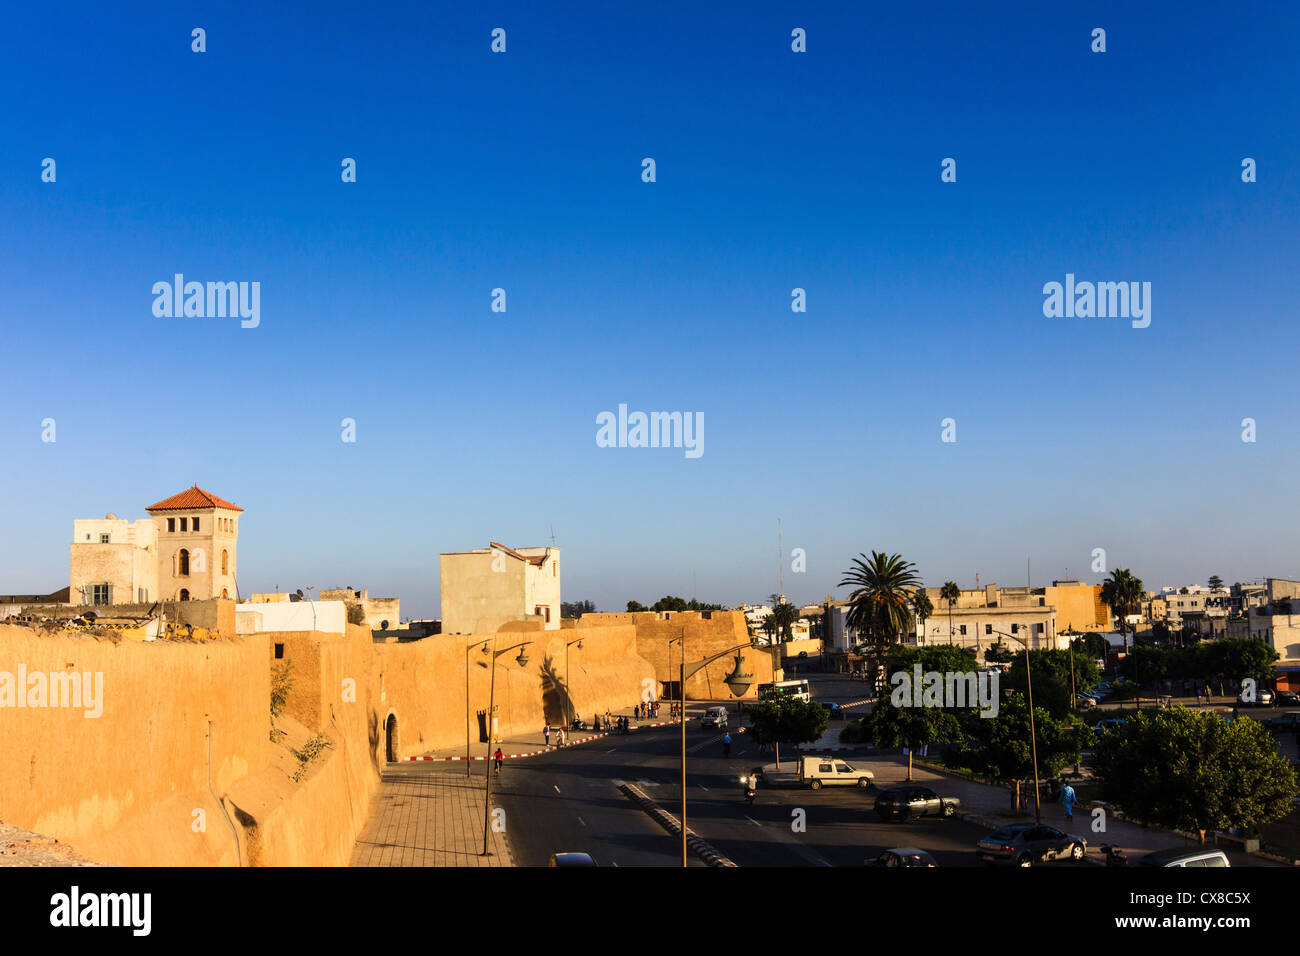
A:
569	800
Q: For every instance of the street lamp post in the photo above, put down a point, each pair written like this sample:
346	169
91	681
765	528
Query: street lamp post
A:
568	684
739	681
468	648
522	659
1033	737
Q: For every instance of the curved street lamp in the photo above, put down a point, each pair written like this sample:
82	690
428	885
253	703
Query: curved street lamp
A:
568	684
739	681
521	660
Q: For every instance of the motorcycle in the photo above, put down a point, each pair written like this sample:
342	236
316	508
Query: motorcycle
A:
750	789
1114	855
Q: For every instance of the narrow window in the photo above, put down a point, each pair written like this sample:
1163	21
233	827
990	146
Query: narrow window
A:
171	524
279	652
196	524
185	524
225	563
185	595
183	562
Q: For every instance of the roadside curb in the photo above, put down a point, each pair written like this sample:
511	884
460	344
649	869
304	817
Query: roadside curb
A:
702	848
552	749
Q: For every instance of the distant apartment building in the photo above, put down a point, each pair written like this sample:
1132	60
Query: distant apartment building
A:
487	587
1039	616
1277	622
184	551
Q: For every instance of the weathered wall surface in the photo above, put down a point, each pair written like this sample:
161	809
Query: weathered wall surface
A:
422	683
705	636
124	786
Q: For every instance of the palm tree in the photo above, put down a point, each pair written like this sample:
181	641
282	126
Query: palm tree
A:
950	593
879	605
923	607
1123	595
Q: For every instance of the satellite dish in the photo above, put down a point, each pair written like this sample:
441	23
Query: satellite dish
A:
383	625
299	592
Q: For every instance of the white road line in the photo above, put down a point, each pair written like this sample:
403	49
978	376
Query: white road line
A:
582	821
612	863
557	789
753	821
703	787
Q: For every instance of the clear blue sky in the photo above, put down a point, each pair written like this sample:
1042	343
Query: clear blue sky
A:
775	170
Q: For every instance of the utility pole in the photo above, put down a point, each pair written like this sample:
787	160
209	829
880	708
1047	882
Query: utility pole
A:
780	561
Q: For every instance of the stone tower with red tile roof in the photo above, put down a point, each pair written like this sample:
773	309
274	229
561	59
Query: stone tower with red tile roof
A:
196	534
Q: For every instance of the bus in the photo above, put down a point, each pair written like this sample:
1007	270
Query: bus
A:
797	689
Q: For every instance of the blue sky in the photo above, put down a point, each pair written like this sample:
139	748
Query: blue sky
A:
775	170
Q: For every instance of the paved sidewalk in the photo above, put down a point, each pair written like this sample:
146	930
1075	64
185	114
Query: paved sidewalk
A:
425	818
517	746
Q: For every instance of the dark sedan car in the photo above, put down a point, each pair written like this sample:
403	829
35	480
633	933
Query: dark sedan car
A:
1026	844
903	856
909	802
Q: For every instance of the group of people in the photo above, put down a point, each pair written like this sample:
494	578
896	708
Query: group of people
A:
559	735
646	709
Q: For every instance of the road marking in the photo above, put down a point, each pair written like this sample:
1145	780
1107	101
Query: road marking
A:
557	789
753	821
610	751
703	787
612	863
582	821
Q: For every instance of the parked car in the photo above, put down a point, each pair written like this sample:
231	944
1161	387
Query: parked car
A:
1288	698
1085	702
1263	698
1184	856
1109	724
909	802
572	859
715	718
817	772
1025	844
903	856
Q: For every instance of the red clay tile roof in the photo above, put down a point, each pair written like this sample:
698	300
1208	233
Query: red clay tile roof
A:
192	498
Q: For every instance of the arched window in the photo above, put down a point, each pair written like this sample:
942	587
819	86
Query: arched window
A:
225	562
225	593
185	594
183	564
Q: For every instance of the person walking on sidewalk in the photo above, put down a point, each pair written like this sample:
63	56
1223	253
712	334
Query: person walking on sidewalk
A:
1068	799
546	734
496	761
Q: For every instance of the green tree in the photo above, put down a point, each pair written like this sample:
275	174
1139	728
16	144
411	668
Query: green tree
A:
1215	582
922	607
1122	593
1193	770
1091	645
879	605
636	606
787	720
783	617
950	592
1050	670
999	654
1001	745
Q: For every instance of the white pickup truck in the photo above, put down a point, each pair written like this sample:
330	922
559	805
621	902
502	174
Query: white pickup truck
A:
818	771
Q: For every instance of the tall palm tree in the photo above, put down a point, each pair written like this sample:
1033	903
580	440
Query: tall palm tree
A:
950	593
879	605
922	607
1122	593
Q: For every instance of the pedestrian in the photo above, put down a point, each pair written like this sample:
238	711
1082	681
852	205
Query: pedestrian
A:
1068	799
546	734
726	745
1198	696
559	737
497	758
